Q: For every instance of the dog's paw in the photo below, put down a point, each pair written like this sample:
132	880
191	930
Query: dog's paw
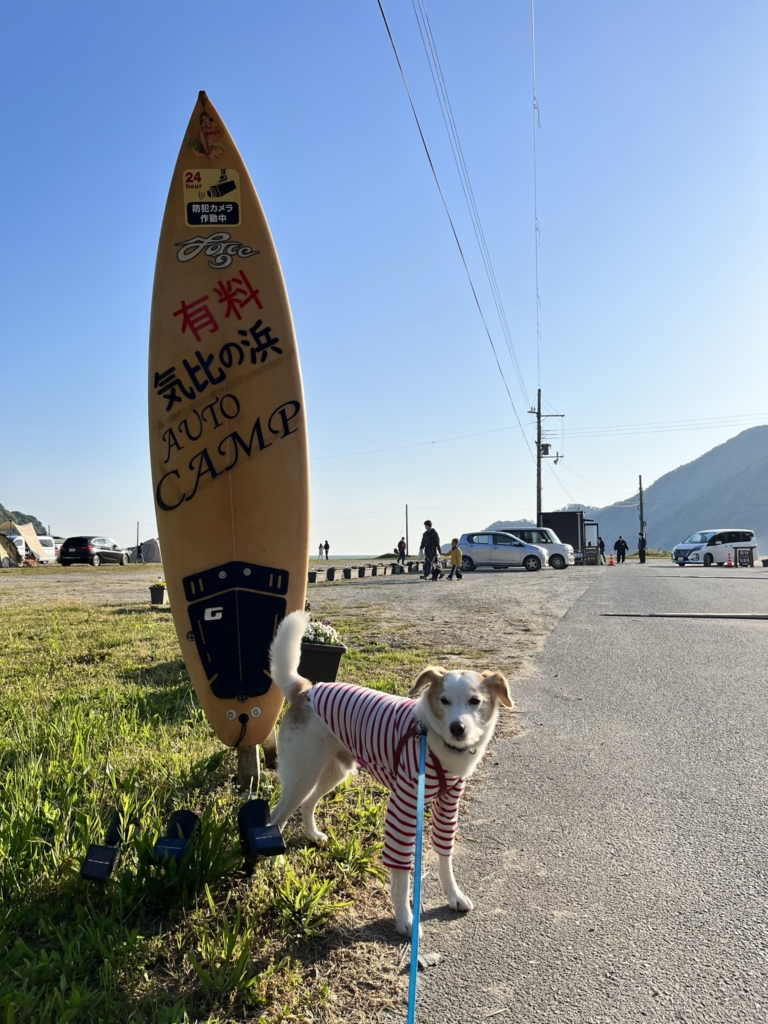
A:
406	928
458	901
316	836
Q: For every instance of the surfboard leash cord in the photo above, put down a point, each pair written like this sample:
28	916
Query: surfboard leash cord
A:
243	720
417	882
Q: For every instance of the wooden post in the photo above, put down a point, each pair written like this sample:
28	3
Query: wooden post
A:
248	768
270	750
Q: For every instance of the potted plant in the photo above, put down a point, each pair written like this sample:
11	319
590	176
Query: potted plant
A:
321	651
316	575
330	572
347	570
158	592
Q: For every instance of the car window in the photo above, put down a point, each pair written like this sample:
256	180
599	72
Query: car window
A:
747	536
45	542
503	538
716	538
700	538
479	538
109	543
540	537
524	535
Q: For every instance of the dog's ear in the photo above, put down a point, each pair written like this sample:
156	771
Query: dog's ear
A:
433	674
499	687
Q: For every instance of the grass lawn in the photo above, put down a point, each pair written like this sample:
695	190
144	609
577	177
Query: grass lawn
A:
97	714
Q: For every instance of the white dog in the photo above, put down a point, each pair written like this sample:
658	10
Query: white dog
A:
331	727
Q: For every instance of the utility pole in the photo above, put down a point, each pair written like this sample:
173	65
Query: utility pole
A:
642	514
542	449
406	530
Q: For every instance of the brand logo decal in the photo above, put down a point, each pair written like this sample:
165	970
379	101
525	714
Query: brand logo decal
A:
219	245
213	614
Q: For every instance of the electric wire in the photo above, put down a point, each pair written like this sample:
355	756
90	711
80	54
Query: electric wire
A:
441	90
537	233
453	227
669	426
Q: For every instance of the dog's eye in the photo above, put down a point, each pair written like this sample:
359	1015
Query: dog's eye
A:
444	700
473	700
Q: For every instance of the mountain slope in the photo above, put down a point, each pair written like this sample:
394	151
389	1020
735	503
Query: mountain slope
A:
21	517
727	486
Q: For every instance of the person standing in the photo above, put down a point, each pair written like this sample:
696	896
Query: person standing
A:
642	545
601	545
327	548
430	542
620	547
401	550
320	550
454	557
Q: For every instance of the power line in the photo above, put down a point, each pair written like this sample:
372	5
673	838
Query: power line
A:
441	90
670	426
450	221
537	234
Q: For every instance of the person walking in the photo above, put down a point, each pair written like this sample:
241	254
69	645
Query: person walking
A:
320	550
642	546
454	557
327	548
401	550
620	547
430	543
601	545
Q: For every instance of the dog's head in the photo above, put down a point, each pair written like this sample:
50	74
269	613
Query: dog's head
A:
462	708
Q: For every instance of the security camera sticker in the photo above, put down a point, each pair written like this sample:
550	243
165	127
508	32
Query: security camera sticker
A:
211	196
234	611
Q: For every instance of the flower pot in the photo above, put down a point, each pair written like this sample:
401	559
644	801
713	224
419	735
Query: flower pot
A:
375	570
362	572
398	570
320	662
414	567
330	574
158	595
316	575
347	573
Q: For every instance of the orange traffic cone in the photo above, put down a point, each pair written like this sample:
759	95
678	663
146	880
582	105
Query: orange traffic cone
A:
610	560
729	563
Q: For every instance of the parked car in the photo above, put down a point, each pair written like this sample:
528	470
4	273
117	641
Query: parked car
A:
500	550
709	547
94	550
48	544
560	555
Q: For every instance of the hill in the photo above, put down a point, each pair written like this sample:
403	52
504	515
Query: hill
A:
727	486
21	517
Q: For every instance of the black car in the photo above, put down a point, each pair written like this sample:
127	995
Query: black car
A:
92	549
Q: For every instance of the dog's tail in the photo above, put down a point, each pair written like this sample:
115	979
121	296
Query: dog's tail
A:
285	655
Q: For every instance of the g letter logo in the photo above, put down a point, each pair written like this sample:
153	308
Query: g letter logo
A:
212	614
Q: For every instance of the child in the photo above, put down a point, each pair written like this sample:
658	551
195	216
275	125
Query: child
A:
437	572
454	556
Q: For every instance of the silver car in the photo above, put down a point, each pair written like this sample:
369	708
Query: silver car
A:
499	550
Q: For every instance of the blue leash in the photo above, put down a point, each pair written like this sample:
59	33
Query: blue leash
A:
417	882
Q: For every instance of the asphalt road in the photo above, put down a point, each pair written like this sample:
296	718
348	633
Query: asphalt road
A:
616	849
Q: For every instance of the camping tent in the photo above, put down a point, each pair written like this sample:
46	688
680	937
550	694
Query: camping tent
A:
150	551
27	531
10	555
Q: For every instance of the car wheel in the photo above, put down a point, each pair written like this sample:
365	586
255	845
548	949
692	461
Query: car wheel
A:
64	564
557	562
96	560
467	564
124	560
708	560
531	563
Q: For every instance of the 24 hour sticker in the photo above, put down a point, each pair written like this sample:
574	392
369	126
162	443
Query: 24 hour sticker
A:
211	196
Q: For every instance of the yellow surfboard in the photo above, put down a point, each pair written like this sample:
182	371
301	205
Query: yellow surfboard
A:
227	431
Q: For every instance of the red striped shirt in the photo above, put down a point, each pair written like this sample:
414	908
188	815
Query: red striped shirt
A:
378	729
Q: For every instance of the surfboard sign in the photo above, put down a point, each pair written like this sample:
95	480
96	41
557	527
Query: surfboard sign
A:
227	432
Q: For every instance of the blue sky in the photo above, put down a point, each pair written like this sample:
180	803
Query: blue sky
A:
653	163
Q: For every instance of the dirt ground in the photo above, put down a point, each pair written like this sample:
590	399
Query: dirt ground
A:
489	619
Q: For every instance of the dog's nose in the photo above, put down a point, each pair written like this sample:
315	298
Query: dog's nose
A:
458	729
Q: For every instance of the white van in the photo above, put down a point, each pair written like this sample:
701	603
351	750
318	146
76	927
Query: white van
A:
560	555
712	547
48	544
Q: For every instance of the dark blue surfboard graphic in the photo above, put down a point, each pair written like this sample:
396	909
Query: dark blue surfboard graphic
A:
234	611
